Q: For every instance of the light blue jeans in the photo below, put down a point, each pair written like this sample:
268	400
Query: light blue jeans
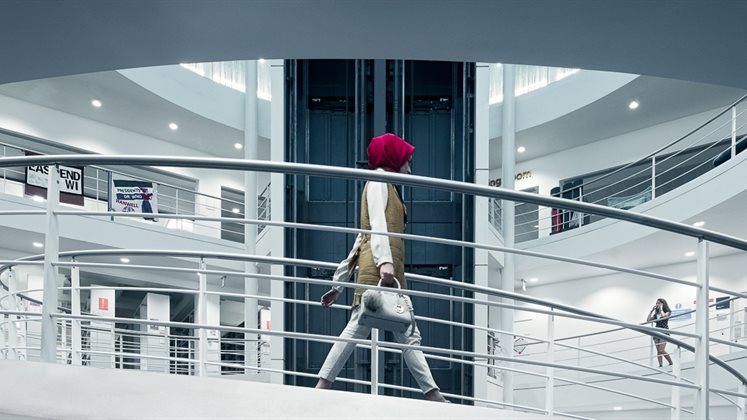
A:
341	352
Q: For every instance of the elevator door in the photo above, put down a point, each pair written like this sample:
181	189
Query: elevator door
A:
330	114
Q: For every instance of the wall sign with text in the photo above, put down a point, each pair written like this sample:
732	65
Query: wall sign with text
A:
518	177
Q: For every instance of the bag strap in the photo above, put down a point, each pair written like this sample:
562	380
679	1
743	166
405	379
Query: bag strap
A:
399	286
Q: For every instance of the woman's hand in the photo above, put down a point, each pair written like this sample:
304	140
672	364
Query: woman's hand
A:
329	298
386	271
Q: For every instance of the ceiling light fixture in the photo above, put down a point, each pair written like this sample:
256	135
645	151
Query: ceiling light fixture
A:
96	103
38	245
261	60
125	260
533	280
633	105
38	198
699	224
173	126
617	408
521	149
690	254
238	146
235	210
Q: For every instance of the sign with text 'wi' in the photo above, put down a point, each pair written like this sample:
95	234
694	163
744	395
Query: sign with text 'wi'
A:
70	181
133	196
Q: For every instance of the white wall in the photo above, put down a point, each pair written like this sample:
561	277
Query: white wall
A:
629	298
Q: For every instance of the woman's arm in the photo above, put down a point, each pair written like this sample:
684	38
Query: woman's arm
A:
377	197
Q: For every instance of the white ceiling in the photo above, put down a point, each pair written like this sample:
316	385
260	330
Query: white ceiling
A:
689	40
129	106
661	100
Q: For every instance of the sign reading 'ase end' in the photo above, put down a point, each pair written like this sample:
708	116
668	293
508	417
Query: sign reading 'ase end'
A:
71	178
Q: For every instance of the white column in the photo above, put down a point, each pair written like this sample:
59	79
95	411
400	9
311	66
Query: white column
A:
702	330
51	250
277	213
550	387
202	319
101	337
675	412
509	270
155	307
75	310
250	212
13	306
482	176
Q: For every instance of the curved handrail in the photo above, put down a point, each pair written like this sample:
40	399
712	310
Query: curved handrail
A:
572	311
361	174
668	145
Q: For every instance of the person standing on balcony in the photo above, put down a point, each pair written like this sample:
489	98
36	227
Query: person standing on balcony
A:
660	314
378	257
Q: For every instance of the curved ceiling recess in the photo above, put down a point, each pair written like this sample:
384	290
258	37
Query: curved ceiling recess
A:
698	41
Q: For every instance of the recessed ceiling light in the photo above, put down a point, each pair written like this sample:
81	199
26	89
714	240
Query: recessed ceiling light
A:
125	260
38	245
521	149
690	254
533	280
173	126
238	146
536	226
633	104
235	210
261	60
699	224
617	408
38	199
96	103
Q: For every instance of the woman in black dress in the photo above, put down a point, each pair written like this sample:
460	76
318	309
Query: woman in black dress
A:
660	315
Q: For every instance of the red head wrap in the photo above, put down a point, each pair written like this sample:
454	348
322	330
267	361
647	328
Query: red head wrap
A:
389	151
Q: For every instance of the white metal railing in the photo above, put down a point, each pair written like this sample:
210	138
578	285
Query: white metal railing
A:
52	261
172	199
695	153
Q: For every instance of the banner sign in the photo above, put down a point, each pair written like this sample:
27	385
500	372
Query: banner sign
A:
71	182
133	196
71	178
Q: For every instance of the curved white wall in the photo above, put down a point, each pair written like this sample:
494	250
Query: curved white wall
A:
200	95
559	98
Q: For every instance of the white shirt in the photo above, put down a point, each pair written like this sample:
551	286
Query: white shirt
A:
377	196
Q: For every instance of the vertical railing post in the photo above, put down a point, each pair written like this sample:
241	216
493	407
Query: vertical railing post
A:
202	320
733	131
651	352
732	324
75	310
550	386
742	403
702	330
51	248
578	356
653	177
375	361
675	412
